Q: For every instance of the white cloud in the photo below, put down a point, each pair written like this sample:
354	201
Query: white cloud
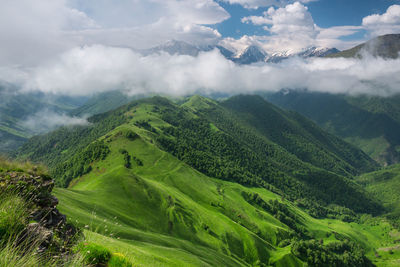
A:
329	37
292	27
290	20
254	4
84	71
32	31
47	120
388	22
392	16
257	20
238	45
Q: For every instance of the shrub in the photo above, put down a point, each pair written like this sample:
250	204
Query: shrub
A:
94	254
284	243
119	260
131	135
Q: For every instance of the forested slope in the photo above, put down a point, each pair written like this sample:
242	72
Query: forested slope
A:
370	123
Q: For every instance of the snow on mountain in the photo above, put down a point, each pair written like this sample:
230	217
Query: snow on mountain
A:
252	54
305	53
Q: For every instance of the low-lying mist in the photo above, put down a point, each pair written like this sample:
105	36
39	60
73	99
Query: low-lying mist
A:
93	69
46	120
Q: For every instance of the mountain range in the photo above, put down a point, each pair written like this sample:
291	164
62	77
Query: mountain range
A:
386	46
251	54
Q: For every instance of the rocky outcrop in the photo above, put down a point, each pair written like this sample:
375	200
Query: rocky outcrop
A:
48	228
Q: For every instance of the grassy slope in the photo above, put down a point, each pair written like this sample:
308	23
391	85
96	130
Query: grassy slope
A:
385	185
165	213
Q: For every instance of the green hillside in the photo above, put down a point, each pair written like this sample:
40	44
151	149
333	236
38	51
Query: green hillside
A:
300	160
389	106
299	136
370	123
385	185
386	46
215	184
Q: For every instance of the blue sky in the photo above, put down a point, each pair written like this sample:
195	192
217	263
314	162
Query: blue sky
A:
294	25
326	13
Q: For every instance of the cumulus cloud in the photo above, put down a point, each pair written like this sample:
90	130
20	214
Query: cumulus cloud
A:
92	69
131	24
47	120
238	45
329	37
291	26
388	22
33	31
254	4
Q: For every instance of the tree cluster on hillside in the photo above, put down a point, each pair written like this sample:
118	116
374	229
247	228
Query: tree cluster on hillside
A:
336	254
80	164
219	154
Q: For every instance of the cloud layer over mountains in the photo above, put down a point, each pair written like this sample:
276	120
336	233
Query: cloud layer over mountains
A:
97	68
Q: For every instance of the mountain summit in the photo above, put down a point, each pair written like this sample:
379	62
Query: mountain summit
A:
251	54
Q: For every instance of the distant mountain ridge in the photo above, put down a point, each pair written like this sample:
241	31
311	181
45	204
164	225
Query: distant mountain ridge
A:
251	54
16	108
305	53
385	46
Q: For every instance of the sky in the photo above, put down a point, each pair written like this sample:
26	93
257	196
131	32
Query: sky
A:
49	27
326	13
83	47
